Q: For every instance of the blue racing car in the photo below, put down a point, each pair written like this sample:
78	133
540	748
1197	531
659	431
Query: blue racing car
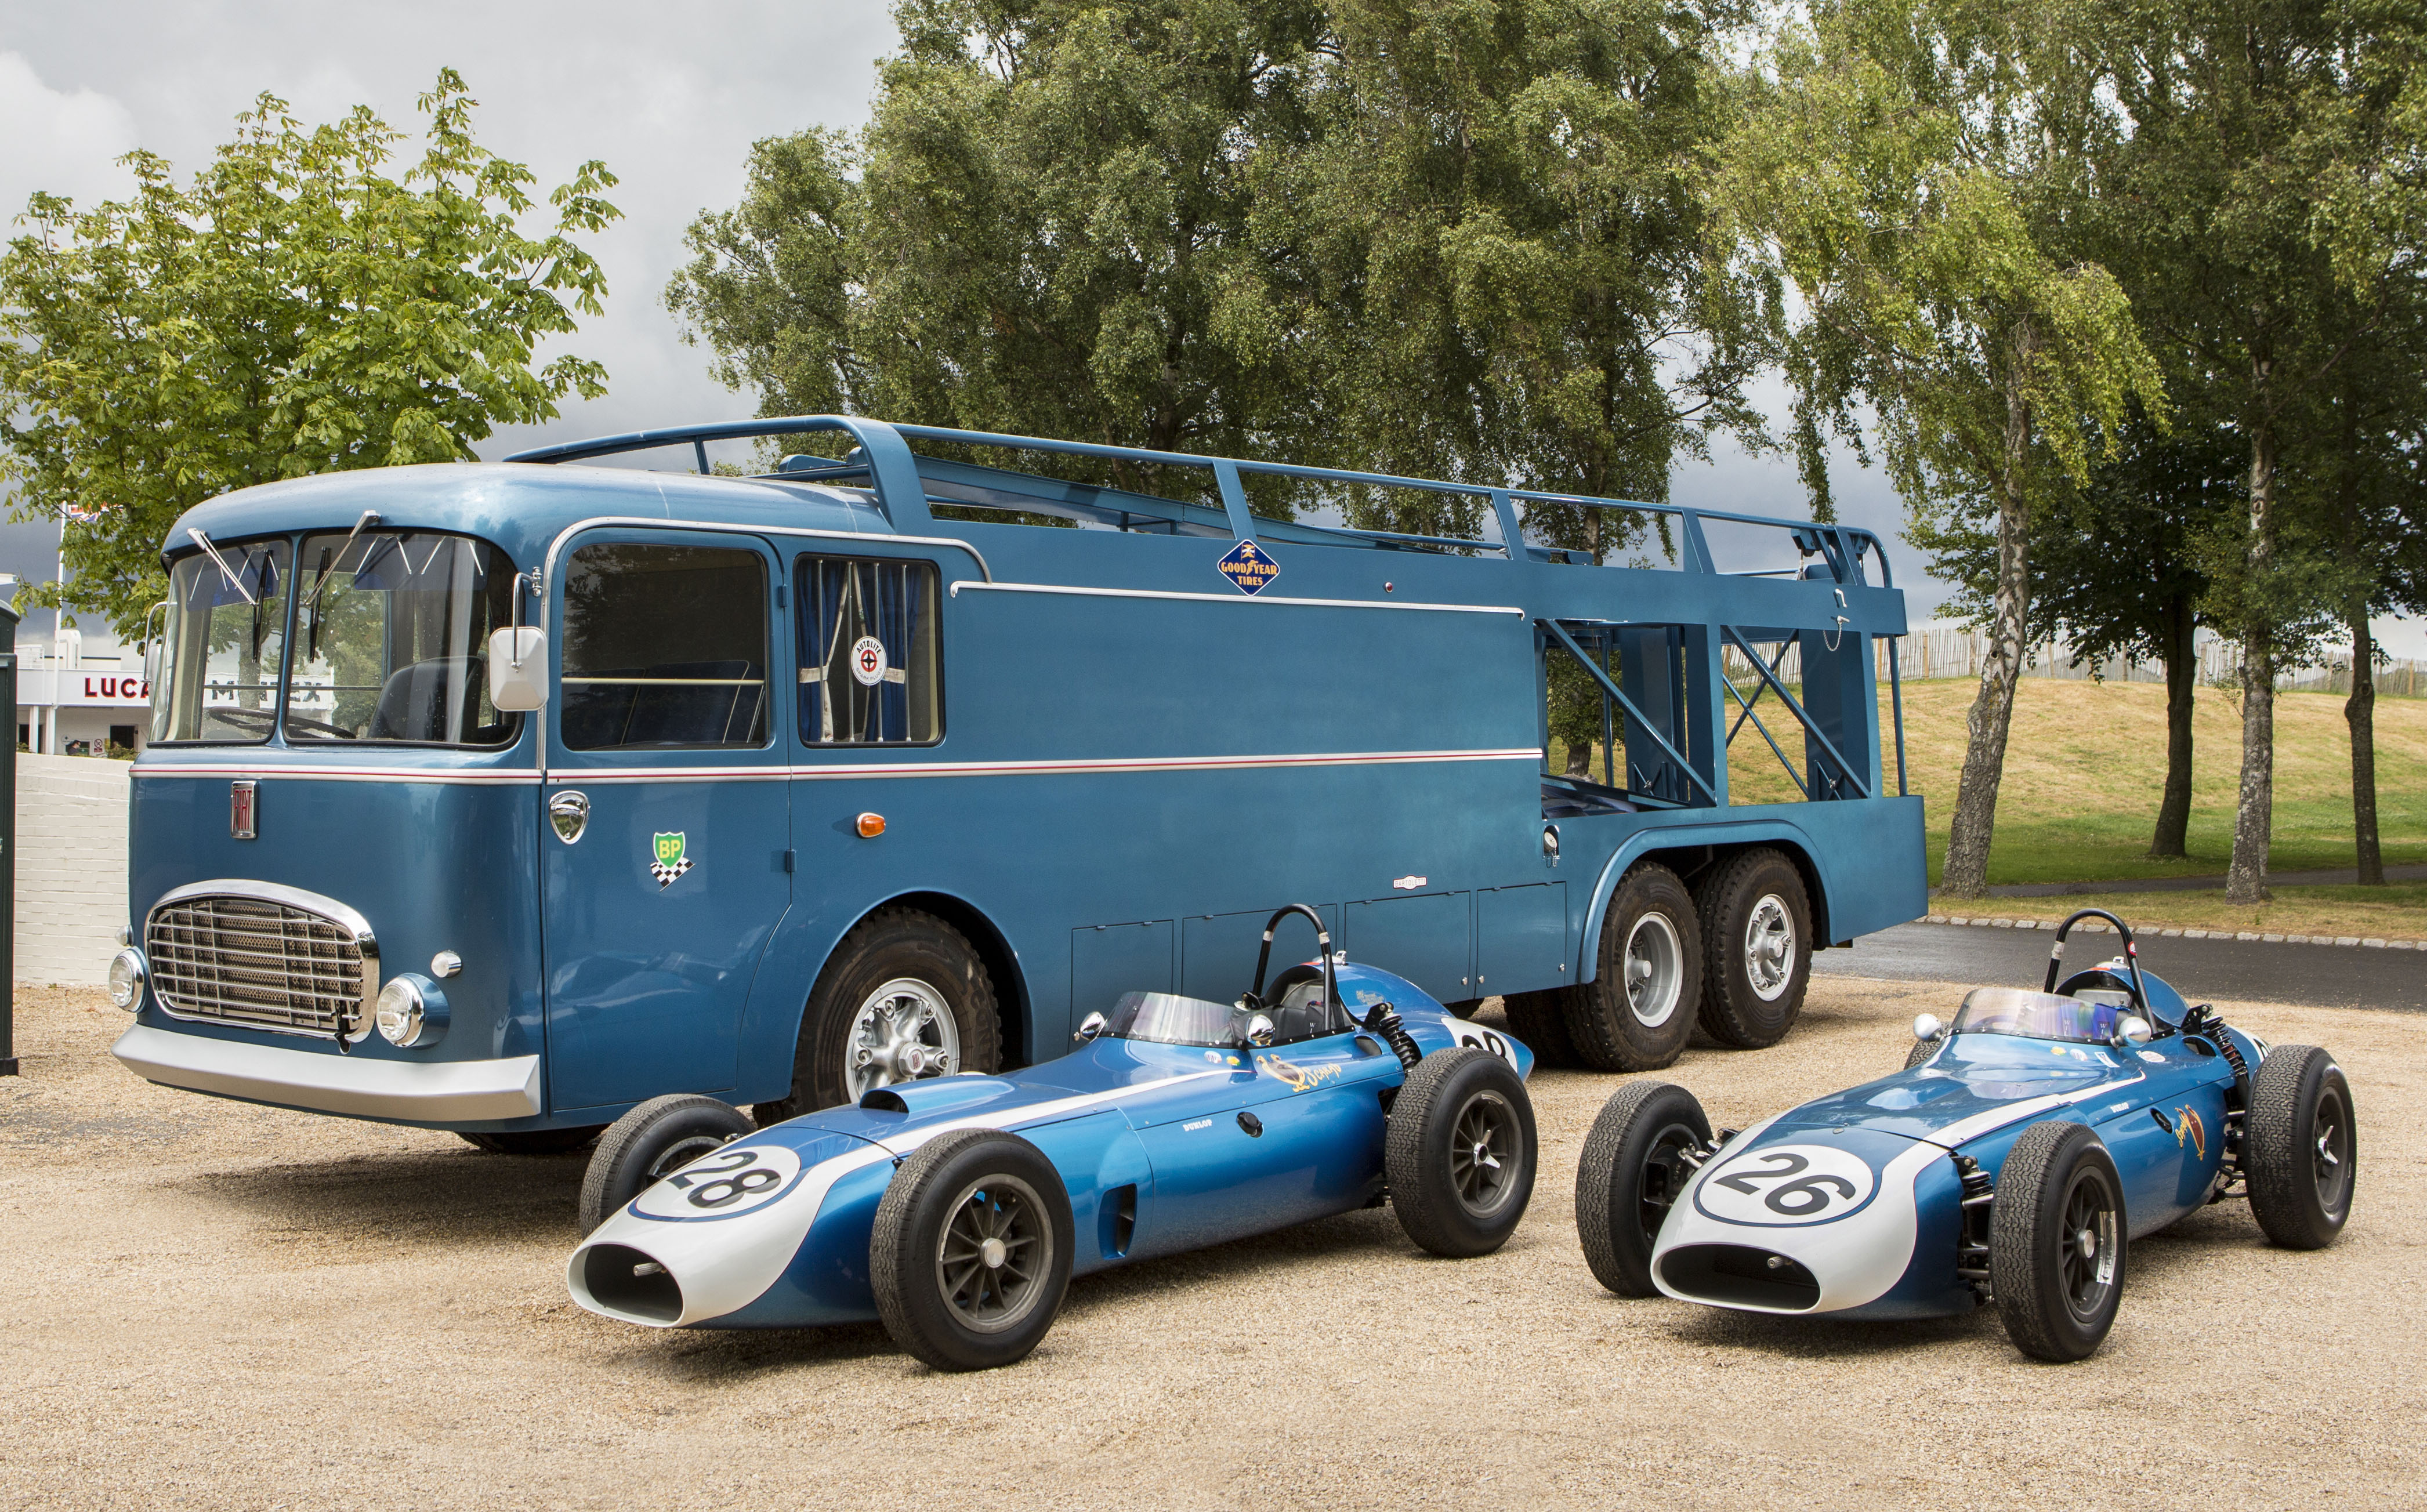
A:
956	1208
2012	1161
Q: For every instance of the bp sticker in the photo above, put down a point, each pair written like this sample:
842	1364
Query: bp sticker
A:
724	1183
1786	1184
1247	567
667	860
867	660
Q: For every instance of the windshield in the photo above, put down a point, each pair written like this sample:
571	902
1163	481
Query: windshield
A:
392	634
1168	1018
223	645
2036	1016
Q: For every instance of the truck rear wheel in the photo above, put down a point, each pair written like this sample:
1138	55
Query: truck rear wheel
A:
903	998
1756	949
1638	1011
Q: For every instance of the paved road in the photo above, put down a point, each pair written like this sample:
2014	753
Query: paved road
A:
2323	976
2345	877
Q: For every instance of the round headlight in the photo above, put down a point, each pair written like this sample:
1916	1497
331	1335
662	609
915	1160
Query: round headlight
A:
126	979
410	1011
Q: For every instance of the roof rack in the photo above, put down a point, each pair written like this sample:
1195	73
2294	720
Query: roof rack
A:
904	483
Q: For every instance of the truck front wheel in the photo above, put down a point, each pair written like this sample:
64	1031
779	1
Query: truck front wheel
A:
903	998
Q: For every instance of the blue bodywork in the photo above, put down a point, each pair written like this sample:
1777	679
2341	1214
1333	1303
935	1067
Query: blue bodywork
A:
1888	1247
1148	1137
1138	759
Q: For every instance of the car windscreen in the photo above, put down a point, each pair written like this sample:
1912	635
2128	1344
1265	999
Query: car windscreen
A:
392	634
2036	1016
1169	1019
224	645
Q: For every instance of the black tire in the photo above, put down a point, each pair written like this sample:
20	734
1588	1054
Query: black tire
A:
2302	1155
1460	1152
534	1141
891	945
651	1142
1631	1170
1750	996
963	1190
1922	1049
2058	1294
1617	1025
1540	1019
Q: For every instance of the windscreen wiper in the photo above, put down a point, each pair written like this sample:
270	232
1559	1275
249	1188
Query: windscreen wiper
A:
225	571
329	564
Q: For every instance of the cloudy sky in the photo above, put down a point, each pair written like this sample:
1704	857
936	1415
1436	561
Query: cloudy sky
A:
671	97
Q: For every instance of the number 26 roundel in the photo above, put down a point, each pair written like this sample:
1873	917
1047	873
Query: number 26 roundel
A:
1780	1185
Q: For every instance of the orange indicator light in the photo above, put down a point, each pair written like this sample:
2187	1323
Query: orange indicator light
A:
871	826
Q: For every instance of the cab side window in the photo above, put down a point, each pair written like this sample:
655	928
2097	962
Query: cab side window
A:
868	652
664	646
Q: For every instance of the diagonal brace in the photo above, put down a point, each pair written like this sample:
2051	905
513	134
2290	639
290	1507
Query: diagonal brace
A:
1627	704
1792	775
1811	730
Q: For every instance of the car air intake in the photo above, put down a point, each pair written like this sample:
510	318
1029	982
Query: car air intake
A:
622	1279
270	960
1739	1276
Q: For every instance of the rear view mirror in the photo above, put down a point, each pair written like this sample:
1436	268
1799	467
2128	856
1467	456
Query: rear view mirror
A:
2131	1029
518	667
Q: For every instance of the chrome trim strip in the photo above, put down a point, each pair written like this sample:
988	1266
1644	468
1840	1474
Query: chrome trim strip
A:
587	776
355	1085
1224	599
485	777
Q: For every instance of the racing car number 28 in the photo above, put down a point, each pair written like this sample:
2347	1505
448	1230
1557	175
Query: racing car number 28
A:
1783	1184
724	1183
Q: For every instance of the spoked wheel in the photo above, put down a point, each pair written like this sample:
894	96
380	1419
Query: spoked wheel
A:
2057	1242
1460	1152
1632	1169
971	1252
2303	1157
651	1142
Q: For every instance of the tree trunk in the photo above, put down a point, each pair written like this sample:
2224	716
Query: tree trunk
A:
2360	710
1967	873
2182	678
2245	880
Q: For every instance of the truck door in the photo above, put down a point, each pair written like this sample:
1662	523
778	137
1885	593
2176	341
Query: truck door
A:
666	821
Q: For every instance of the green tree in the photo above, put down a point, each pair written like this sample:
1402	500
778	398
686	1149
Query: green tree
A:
293	310
1914	174
2267	184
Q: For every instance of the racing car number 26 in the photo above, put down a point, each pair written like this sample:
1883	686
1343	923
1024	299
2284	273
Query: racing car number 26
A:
1784	1184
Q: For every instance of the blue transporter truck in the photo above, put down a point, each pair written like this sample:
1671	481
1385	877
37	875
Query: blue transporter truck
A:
507	798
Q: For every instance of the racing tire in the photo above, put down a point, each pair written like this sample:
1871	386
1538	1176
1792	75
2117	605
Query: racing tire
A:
2301	1151
1460	1152
1540	1019
1639	1009
1756	949
651	1142
896	966
534	1141
970	1253
1632	1169
2057	1242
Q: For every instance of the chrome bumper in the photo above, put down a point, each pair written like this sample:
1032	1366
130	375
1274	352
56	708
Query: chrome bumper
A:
422	1091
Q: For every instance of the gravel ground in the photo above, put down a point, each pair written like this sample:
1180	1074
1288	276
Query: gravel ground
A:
214	1304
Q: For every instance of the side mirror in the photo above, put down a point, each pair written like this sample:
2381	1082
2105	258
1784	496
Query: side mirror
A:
1927	1028
1089	1028
518	668
1256	1032
2131	1029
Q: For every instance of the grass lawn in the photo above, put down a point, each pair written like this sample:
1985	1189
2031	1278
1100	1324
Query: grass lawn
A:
2397	911
2085	764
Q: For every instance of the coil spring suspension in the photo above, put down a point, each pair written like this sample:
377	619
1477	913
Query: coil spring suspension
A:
2202	1022
1383	1020
1972	1244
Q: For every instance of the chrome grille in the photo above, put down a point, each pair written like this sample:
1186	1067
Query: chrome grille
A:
259	962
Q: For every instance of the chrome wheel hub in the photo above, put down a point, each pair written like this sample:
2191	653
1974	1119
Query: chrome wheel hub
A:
1769	947
1654	970
903	1033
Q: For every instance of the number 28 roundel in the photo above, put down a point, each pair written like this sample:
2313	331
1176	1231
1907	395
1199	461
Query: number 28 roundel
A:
1780	1185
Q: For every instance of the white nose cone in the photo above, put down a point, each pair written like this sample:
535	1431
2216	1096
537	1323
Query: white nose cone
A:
1791	1227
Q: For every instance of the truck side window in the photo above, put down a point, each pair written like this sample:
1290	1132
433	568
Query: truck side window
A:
868	652
664	645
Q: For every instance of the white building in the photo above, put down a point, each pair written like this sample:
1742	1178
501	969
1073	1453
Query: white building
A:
79	694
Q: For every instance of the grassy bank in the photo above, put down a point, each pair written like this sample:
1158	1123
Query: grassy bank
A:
2395	912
